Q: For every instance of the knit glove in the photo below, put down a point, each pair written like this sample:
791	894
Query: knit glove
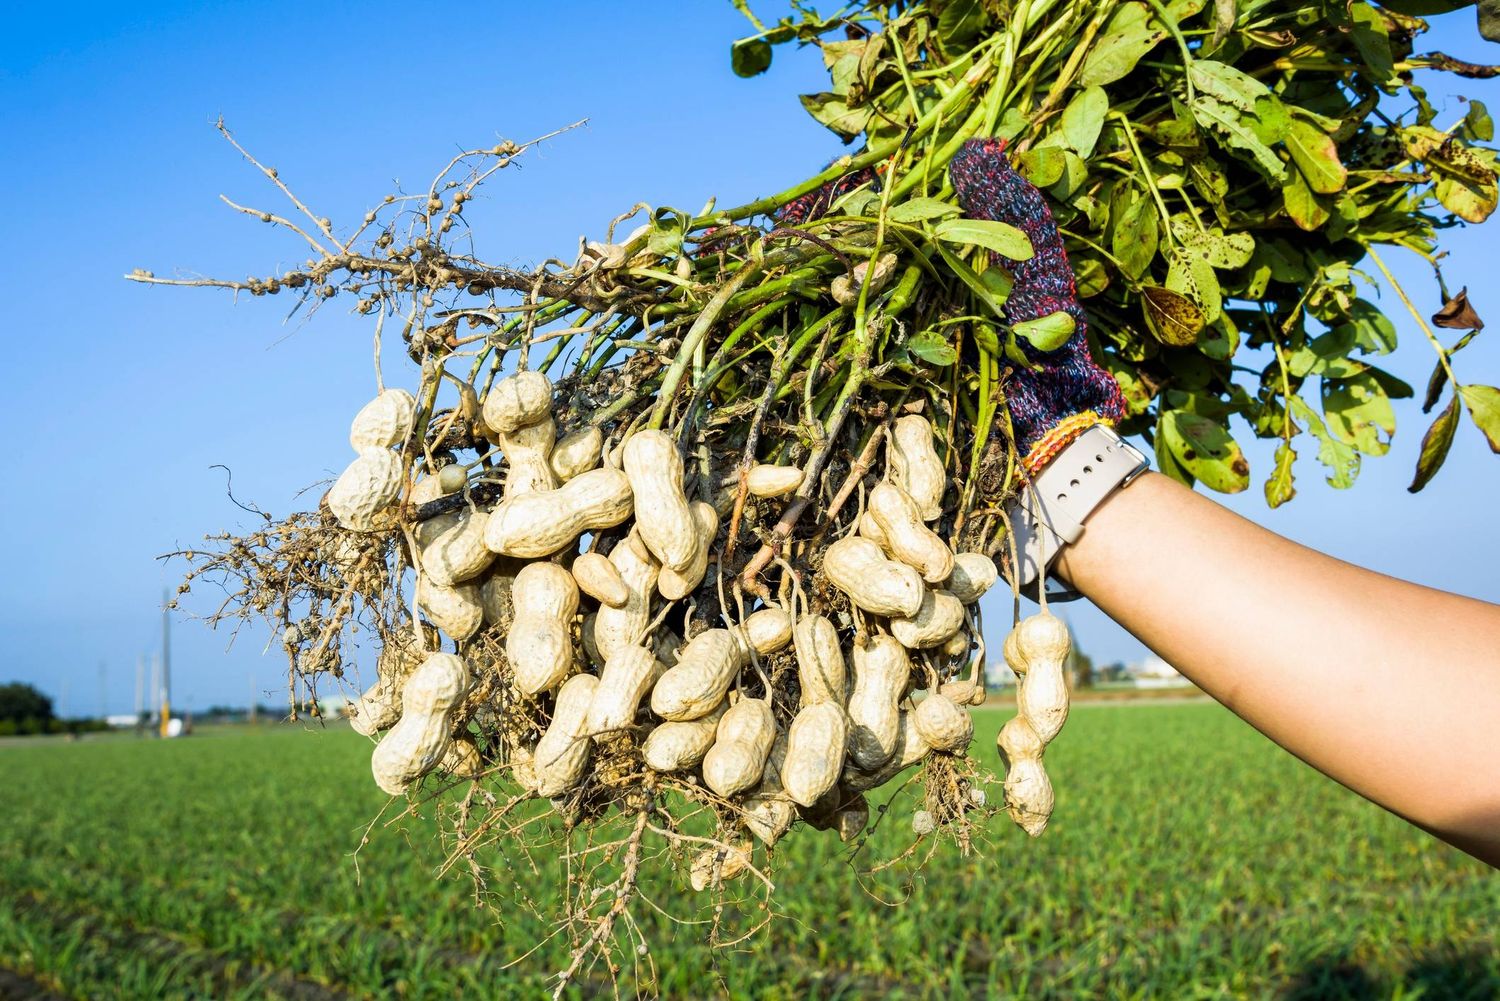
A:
1067	392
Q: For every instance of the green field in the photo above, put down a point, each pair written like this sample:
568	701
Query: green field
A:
1188	858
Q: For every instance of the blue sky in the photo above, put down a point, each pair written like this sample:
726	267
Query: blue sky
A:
120	398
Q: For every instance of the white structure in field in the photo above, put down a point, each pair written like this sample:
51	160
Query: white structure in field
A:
1153	672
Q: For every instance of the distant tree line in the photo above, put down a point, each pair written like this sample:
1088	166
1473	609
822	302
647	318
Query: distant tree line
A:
25	710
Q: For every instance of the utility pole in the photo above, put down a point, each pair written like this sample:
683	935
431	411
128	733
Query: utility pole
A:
166	663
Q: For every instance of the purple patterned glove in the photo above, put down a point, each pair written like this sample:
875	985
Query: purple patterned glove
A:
1052	405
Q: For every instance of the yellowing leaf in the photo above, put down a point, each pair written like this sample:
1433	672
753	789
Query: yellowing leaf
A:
1172	318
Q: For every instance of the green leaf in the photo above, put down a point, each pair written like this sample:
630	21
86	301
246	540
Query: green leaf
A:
919	209
1165	460
750	56
1171	317
1316	156
966	274
1484	408
1083	118
1047	333
1042	165
668	228
1220	339
1371	39
1128	36
1358	409
1471	202
1340	458
1478	122
1369	328
1225	251
933	348
960	20
998	281
1435	445
831	111
1307	209
1279	486
1091	276
1136	230
1002	238
985	337
1226	84
1192	276
1206	450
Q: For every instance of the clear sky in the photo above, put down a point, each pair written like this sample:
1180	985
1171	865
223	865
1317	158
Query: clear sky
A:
120	398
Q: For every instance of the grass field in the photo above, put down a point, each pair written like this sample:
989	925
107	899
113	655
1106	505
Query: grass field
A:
1188	858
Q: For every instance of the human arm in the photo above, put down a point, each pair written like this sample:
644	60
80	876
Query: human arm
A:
1388	687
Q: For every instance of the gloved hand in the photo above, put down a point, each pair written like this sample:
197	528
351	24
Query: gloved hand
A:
1068	392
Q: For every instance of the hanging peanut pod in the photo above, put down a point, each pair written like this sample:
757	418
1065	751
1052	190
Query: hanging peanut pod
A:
539	646
881	671
915	466
362	496
1042	645
563	751
420	738
743	742
576	452
517	401
384	422
880	586
908	539
666	523
820	662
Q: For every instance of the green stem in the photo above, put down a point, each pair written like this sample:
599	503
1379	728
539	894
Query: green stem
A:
695	335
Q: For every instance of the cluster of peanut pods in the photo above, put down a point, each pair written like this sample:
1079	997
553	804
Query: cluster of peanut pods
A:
585	645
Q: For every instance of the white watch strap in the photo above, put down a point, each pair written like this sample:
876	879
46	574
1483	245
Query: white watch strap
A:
1050	512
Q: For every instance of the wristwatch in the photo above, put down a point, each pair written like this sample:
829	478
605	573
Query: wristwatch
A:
1052	509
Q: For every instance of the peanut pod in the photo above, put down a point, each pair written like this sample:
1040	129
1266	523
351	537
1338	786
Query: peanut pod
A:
915	466
384	422
517	401
675	584
619	627
880	586
576	452
705	668
820	661
455	610
539	646
628	675
881	671
598	578
945	725
420	738
563	751
908	539
936	622
536	524
743	742
666	523
815	752
676	747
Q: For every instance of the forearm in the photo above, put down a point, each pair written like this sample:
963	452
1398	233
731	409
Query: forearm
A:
1390	688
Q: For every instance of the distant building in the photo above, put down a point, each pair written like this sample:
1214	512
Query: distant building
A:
1153	672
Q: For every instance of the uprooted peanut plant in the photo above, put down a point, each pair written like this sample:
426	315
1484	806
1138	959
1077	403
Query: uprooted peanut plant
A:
661	547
